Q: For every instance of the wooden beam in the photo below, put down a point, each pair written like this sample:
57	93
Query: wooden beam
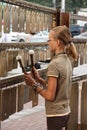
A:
30	5
78	17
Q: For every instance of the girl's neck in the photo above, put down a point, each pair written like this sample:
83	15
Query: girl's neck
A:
59	52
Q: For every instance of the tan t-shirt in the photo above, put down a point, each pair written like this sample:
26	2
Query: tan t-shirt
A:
60	67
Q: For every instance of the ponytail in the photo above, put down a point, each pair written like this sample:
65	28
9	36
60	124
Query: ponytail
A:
71	51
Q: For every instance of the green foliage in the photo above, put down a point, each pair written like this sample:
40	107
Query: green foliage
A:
70	5
48	3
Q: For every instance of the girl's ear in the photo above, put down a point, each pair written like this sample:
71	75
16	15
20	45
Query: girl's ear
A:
58	42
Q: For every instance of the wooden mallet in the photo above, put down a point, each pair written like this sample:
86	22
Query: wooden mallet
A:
18	58
31	53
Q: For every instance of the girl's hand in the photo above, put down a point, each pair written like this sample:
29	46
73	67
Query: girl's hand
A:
29	80
36	73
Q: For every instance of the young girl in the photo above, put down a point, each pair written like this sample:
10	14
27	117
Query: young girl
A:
56	90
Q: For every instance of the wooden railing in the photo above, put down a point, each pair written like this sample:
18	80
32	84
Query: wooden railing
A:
12	86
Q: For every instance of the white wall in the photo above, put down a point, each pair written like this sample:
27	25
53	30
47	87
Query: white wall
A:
82	14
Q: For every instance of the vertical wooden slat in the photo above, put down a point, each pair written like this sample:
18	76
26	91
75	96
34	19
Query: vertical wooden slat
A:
0	18
36	55
13	100
41	21
40	27
15	53
26	94
10	60
32	22
42	55
20	97
3	71
35	19
28	21
30	93
15	19
49	21
48	54
34	99
86	52
84	107
82	54
0	105
21	19
26	58
7	19
6	103
46	19
72	124
38	21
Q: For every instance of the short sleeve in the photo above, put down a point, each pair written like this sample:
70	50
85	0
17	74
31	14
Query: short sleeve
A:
53	69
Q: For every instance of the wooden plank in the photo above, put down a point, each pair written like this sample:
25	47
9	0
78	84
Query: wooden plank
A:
9	60
0	104
0	18
6	103
15	19
27	94
30	5
84	107
21	19
72	124
7	19
30	93
15	53
34	99
3	64
13	100
78	17
28	21
20	97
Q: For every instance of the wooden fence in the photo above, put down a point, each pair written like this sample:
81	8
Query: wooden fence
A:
25	17
22	16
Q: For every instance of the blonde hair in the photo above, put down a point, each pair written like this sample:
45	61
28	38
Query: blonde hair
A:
63	34
71	51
